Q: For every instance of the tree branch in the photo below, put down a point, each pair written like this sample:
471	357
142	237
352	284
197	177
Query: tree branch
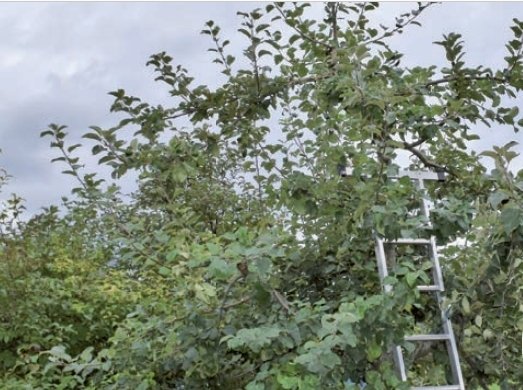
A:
415	143
181	114
421	156
467	78
223	306
399	26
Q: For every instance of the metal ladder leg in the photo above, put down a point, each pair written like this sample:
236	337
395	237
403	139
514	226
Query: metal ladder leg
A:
397	353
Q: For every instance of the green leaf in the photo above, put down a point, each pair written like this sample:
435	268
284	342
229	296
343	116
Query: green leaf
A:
411	278
478	320
220	269
263	266
92	136
373	351
253	339
301	69
171	255
59	352
255	386
179	174
511	218
465	305
288	382
164	271
87	354
497	197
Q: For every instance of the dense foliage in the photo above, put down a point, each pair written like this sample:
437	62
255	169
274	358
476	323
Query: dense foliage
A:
243	259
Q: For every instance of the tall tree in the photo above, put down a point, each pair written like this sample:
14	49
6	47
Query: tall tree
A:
260	255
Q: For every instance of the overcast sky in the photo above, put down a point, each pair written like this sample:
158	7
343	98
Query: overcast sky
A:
59	60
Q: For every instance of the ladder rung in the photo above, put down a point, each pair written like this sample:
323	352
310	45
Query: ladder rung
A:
416	175
442	387
427	337
431	287
417	241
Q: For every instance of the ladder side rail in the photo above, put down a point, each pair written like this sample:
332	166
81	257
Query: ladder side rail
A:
452	348
433	251
399	362
436	268
431	242
425	212
382	264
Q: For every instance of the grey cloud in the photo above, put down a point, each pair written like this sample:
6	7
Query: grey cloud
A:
59	62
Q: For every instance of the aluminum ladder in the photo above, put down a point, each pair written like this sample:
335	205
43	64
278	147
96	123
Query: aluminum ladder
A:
447	334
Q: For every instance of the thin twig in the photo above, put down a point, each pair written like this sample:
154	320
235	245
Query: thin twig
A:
399	26
179	115
334	15
235	280
425	160
467	78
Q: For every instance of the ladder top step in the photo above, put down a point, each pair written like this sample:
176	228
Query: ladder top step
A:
416	241
431	287
428	337
442	387
416	175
